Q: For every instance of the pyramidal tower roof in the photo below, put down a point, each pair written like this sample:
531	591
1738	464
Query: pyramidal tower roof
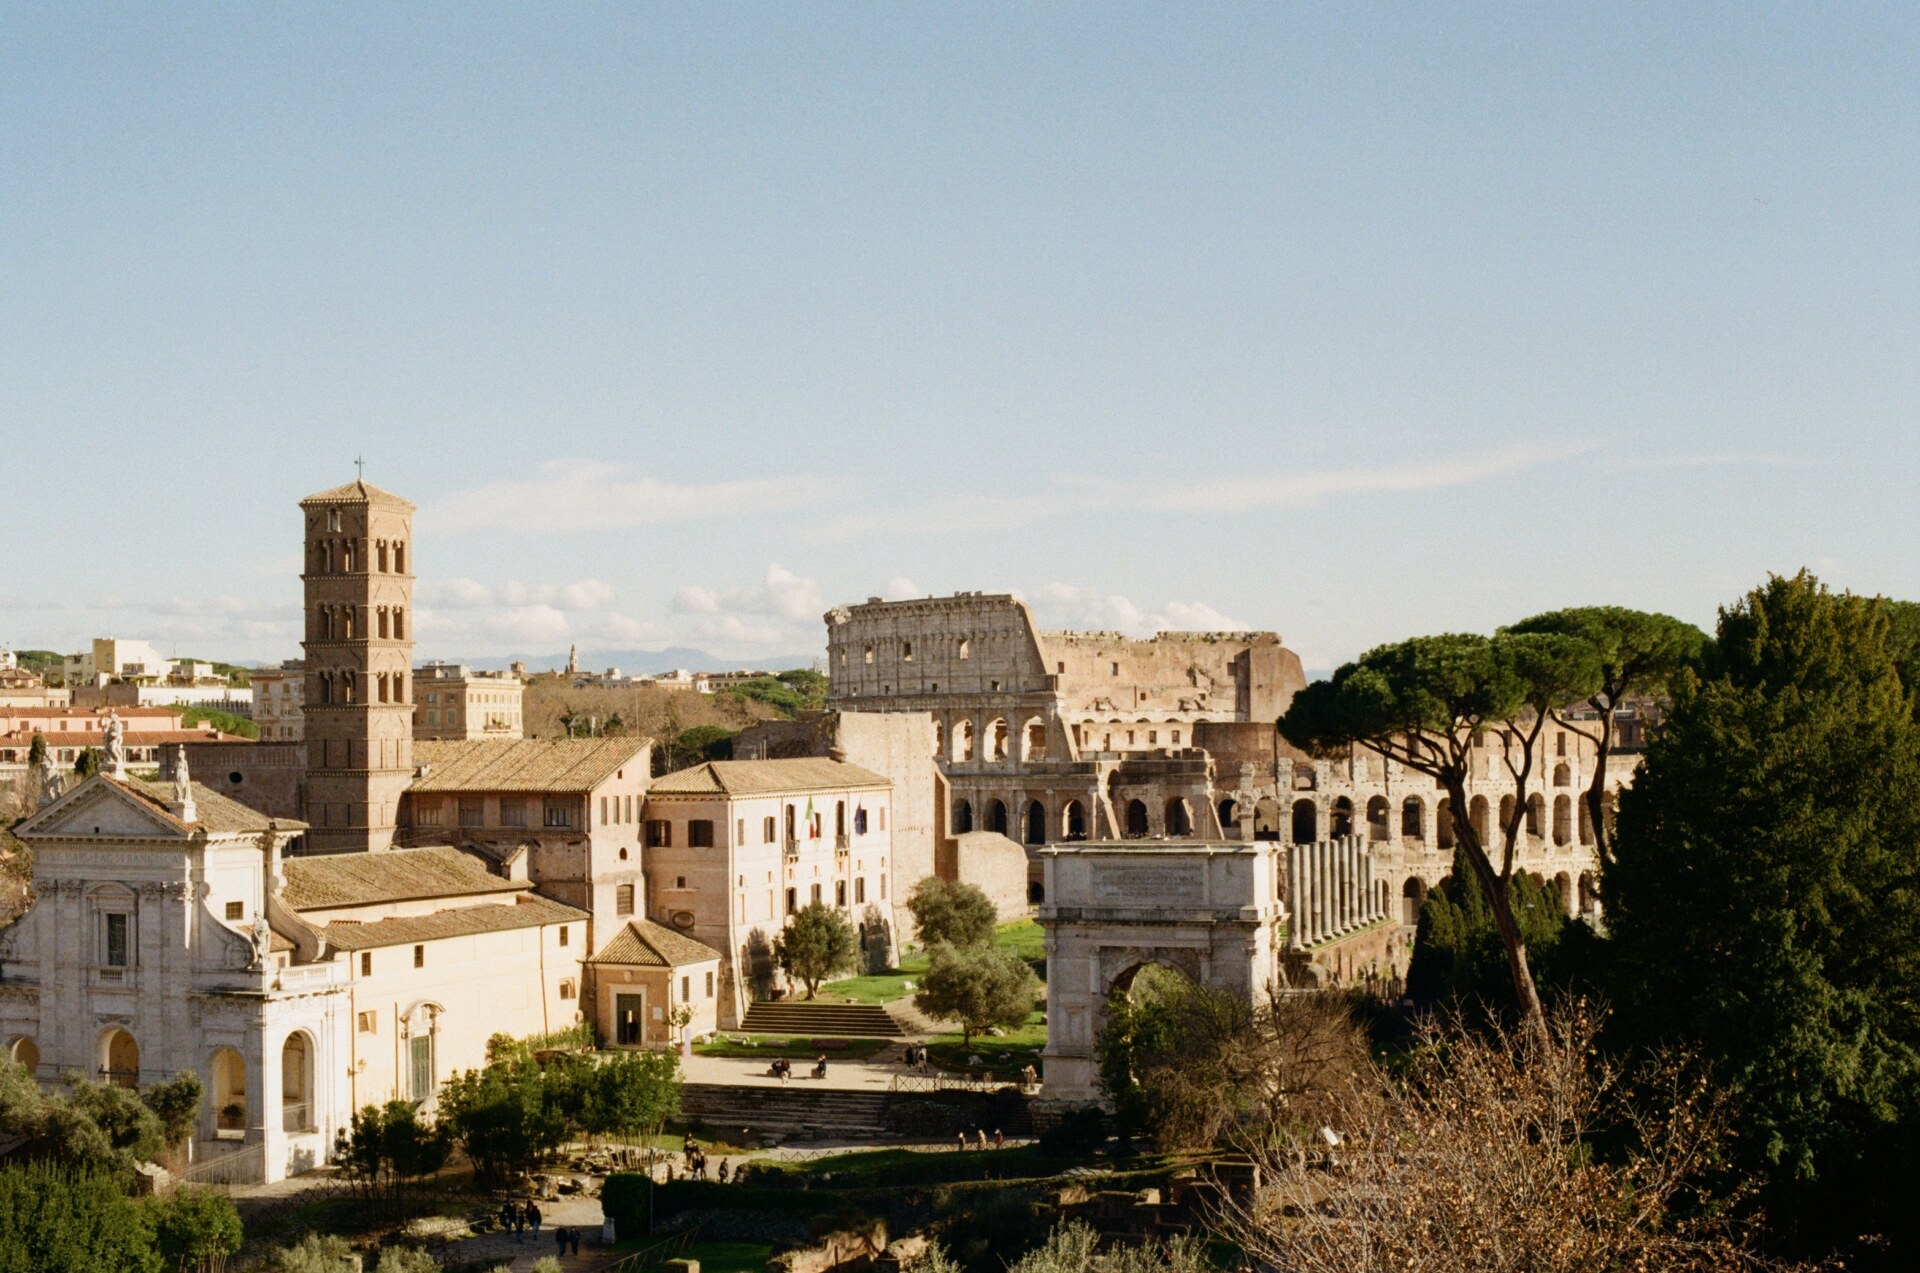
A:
358	491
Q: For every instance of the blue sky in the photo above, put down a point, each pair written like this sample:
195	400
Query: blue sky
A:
682	324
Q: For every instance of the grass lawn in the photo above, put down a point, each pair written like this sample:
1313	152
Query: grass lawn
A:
730	1257
772	1045
1023	937
1005	1056
911	1167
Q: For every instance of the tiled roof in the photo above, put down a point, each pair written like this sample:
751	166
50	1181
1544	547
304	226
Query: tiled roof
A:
125	713
455	921
363	879
523	764
132	738
645	944
765	778
212	811
357	492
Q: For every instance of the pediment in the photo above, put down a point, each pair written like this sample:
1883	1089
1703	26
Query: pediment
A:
99	807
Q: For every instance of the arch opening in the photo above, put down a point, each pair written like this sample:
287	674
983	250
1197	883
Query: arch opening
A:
1306	822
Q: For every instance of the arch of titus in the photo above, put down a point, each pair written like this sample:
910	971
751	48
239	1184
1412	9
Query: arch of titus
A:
1230	915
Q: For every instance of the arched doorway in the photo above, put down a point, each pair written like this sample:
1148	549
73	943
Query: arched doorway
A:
26	1054
1036	822
1563	893
1073	821
1179	817
1536	817
1230	819
1306	822
1589	895
1136	819
1266	819
962	817
1413	819
1033	737
996	739
1340	825
1413	895
1477	816
962	740
228	1091
296	1083
1562	820
1379	827
997	816
119	1059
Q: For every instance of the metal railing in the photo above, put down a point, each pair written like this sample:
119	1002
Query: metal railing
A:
223	1171
648	1256
950	1083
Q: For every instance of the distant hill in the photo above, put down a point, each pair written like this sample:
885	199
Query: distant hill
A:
641	662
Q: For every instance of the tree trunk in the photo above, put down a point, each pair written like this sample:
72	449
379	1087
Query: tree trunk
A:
1525	992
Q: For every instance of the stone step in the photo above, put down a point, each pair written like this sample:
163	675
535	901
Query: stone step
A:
821	1020
787	1109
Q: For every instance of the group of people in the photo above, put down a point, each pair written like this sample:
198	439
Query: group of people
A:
782	1068
697	1161
517	1220
916	1057
980	1138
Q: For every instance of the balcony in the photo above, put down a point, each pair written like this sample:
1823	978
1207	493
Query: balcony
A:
841	844
790	847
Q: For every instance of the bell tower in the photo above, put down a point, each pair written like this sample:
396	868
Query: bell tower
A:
359	665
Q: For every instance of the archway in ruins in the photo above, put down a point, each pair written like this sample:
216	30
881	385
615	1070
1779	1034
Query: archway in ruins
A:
1179	817
962	816
1036	822
1073	821
1136	819
997	816
1306	822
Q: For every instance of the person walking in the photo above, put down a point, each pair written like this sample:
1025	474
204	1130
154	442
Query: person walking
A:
519	1223
573	1241
506	1216
533	1216
722	1172
560	1243
963	1142
998	1139
981	1133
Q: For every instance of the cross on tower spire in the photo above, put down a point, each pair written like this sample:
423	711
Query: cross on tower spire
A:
359	469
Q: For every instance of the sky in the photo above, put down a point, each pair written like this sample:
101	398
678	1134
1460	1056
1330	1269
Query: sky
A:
683	323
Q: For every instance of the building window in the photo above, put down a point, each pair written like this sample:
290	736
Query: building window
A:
236	910
816	893
686	989
869	652
472	811
623	900
840	894
604	821
680	881
700	833
659	834
115	945
1176	738
513	813
563	934
766	830
557	813
366	963
740	831
860	890
1115	669
566	988
966	648
860	821
883	818
367	1022
428	813
792	906
906	651
709	985
419	956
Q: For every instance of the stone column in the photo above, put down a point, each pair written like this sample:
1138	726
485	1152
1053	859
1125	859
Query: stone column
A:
1350	876
1293	898
1321	879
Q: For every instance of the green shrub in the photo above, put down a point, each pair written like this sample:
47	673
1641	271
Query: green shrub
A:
55	1220
624	1200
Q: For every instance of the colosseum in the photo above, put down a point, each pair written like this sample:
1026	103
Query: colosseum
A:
1052	737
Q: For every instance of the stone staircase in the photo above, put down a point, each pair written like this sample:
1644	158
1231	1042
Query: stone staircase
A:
814	1019
794	1109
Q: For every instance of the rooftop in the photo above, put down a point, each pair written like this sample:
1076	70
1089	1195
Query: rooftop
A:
523	764
765	778
456	921
398	875
356	492
645	944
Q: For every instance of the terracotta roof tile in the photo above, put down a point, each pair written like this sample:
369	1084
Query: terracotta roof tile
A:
364	879
523	764
645	944
766	778
212	811
354	493
455	921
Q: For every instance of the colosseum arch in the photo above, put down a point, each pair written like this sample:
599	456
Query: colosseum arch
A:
1379	819
962	740
1229	817
962	816
997	816
1477	817
1306	822
1536	817
996	739
1413	895
1033	739
1562	776
1136	819
1073	821
1036	822
1443	832
1179	823
1413	819
1562	819
1340	822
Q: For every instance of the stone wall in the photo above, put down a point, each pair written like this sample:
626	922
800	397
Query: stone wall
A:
993	864
269	777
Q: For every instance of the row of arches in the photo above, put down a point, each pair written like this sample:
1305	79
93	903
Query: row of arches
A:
993	743
350	686
1569	820
350	556
1036	824
343	622
1579	895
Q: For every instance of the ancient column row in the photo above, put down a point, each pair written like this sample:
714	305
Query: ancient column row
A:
1331	890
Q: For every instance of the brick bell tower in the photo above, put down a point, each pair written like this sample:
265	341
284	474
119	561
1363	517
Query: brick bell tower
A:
359	665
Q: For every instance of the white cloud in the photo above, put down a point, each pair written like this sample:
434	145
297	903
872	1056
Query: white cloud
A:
467	594
1062	605
594	495
780	594
900	588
